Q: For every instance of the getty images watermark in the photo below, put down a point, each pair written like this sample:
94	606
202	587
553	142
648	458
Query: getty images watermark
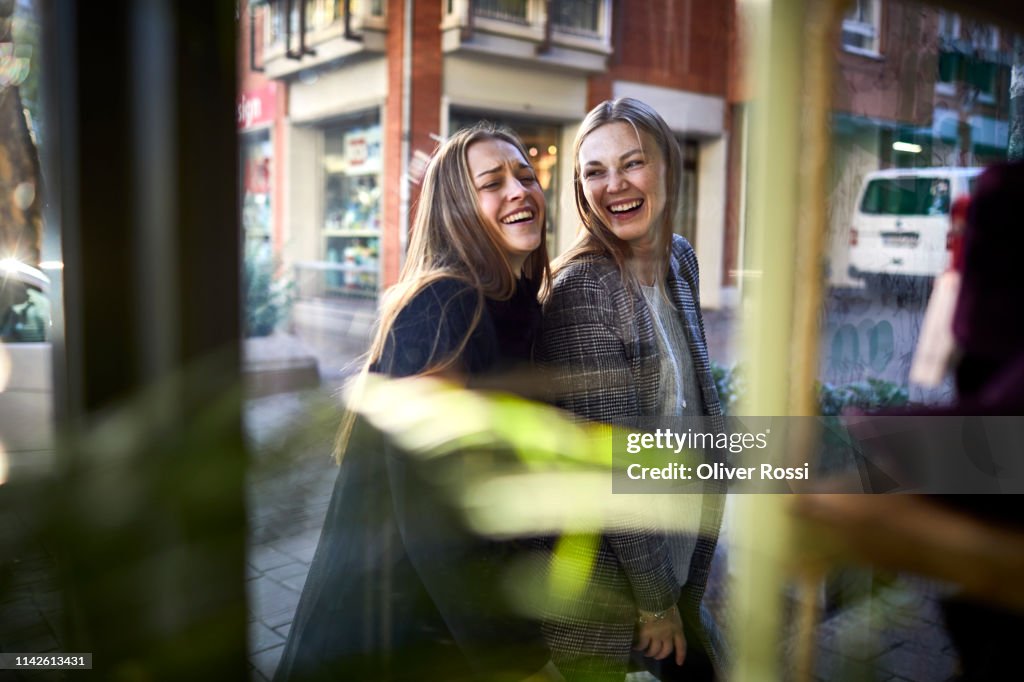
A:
857	454
667	440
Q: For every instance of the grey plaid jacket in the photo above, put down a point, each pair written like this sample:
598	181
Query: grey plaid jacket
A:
598	343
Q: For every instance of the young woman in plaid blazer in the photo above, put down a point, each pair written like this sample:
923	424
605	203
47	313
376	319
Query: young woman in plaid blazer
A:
623	337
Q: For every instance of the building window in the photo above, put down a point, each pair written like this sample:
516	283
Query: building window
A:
541	142
581	17
320	15
690	151
503	10
983	77
581	28
970	61
861	28
951	68
983	36
949	25
256	153
279	23
351	206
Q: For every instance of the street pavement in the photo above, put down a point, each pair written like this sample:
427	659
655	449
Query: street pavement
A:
893	635
288	493
864	335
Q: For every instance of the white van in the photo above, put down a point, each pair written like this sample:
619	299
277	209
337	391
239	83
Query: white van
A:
26	377
900	225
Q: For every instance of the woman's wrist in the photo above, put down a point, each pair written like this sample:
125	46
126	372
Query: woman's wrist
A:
643	617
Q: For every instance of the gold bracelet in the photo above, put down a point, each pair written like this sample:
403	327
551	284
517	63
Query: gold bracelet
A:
644	617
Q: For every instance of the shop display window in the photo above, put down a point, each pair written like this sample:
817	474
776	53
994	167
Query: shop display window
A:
256	153
352	207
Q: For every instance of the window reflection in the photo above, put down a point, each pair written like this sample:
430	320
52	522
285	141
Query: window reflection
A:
909	135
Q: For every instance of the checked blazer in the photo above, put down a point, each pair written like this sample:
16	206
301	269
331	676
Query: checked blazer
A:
598	343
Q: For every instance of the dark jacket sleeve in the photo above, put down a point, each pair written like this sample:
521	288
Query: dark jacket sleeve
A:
581	345
433	326
463	573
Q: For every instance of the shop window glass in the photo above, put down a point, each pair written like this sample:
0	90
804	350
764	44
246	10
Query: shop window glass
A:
352	206
30	266
896	148
256	152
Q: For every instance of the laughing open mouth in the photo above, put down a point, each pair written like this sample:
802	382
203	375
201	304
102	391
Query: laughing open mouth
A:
626	207
518	217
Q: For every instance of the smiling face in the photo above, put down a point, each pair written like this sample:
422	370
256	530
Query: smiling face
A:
622	172
510	197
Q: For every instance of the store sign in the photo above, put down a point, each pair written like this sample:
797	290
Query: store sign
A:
256	107
362	150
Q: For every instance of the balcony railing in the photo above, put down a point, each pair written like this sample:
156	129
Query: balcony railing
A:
573	32
300	34
295	25
515	11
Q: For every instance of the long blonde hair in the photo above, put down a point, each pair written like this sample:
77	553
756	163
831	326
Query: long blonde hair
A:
596	238
451	238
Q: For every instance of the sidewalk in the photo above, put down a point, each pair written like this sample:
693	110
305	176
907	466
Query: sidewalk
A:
288	493
895	636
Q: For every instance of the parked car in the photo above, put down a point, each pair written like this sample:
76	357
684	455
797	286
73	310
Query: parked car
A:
26	378
901	223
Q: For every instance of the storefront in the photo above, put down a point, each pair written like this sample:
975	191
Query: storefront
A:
336	213
351	214
335	195
256	109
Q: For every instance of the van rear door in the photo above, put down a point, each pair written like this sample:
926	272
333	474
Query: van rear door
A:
902	224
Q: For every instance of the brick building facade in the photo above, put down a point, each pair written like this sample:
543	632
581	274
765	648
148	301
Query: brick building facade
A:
368	90
365	88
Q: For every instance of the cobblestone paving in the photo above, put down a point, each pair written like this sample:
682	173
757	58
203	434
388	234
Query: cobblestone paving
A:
895	635
288	493
31	616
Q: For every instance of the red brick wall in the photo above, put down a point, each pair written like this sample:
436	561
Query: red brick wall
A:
248	79
425	115
738	87
735	168
681	44
392	148
426	76
900	84
684	45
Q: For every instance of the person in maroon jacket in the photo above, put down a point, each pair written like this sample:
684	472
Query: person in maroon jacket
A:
975	542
